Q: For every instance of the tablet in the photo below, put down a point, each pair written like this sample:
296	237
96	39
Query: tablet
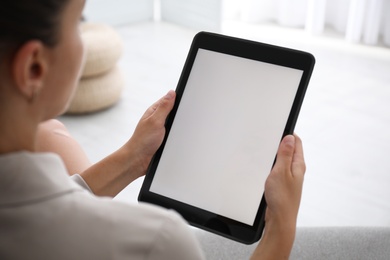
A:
235	100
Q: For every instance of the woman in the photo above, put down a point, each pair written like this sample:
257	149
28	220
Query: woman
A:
44	214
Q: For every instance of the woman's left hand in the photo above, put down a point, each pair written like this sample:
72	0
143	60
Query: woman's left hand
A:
150	130
112	174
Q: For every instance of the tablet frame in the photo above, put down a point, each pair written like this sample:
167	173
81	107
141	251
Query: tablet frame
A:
201	218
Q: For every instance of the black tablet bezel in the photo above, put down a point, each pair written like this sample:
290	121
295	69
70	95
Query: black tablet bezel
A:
246	49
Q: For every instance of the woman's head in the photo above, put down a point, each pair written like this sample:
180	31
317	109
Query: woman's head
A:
41	52
24	20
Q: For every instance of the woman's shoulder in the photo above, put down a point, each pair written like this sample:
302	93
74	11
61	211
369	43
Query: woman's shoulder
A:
140	227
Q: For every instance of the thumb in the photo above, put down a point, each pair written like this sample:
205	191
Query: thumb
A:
285	152
165	105
162	107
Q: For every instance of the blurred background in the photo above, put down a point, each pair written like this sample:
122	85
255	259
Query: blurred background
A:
355	20
345	118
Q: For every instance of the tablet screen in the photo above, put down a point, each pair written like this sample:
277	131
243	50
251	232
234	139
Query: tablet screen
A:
225	134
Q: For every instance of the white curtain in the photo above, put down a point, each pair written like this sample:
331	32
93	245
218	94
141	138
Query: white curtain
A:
366	21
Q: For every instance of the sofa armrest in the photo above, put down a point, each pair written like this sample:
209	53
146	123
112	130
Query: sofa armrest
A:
311	243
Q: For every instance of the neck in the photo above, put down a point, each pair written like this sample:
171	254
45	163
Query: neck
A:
18	129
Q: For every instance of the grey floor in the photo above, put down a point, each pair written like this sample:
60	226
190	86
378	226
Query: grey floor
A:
344	120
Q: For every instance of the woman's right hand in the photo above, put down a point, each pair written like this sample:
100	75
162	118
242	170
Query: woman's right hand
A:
283	190
283	187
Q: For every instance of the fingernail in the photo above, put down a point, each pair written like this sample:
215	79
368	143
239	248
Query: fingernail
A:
289	139
170	94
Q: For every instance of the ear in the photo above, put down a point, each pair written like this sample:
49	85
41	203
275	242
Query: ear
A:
29	68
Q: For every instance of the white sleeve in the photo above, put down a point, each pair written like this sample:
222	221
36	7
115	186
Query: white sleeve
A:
175	240
80	181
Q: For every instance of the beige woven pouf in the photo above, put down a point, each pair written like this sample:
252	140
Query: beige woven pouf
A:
97	93
101	82
103	48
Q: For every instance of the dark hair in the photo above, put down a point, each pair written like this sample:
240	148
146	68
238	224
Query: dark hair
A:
24	20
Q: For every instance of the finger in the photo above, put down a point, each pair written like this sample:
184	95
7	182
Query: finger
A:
285	152
165	105
298	162
151	110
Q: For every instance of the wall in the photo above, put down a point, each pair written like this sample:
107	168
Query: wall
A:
196	14
118	12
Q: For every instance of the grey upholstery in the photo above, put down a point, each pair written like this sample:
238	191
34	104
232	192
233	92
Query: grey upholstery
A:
342	243
312	243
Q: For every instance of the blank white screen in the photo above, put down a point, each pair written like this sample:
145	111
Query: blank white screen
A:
226	133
